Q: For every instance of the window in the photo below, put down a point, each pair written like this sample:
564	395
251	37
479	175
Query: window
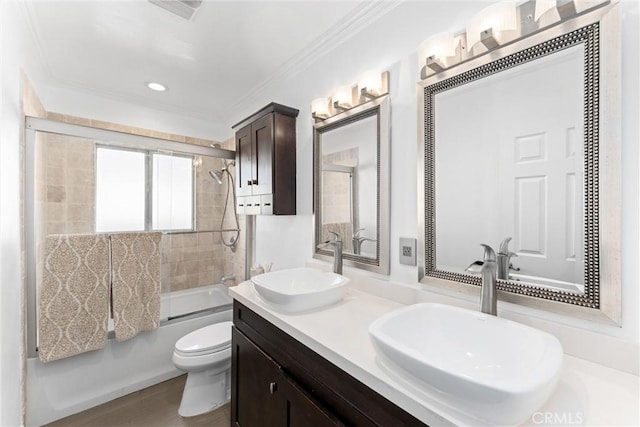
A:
139	190
172	193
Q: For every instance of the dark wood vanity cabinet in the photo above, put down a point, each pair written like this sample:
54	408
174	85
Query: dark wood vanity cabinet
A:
278	381
266	162
264	396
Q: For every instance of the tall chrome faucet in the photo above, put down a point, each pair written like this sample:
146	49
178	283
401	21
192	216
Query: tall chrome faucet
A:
504	259
489	293
337	251
358	241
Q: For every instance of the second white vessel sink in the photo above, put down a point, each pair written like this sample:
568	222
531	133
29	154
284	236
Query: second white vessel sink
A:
300	289
486	367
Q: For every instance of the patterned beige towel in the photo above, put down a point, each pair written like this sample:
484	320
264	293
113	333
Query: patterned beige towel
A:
74	295
135	283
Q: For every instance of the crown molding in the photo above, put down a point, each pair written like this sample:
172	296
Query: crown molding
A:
361	17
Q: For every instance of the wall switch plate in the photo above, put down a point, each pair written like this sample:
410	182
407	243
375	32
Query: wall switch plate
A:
407	253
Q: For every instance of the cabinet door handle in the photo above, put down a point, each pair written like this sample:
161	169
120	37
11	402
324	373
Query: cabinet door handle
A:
249	182
273	387
255	182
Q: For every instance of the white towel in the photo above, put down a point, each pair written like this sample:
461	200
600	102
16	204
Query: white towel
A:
74	295
135	285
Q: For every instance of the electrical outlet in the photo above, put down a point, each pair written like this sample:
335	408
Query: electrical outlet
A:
407	253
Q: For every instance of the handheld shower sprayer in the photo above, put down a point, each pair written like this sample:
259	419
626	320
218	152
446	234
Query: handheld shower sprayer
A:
217	176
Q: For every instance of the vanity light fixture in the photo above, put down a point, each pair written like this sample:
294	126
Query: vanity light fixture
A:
370	84
343	98
493	26
158	87
487	25
320	108
565	8
435	50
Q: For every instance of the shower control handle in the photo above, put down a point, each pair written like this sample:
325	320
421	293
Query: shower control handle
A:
273	387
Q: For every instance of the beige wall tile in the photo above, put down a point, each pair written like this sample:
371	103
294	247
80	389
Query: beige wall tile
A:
79	212
55	176
177	138
190	239
75	227
80	177
80	194
56	212
176	241
55	194
55	227
77	120
205	239
111	126
176	256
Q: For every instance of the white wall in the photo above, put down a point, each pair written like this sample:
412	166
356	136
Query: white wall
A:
392	43
388	44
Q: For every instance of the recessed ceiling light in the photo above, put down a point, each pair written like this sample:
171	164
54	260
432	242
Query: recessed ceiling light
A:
159	87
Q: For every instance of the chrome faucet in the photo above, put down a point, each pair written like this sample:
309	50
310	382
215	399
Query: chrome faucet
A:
504	259
489	293
358	241
337	251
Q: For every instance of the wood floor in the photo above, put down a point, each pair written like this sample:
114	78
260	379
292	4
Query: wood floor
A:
156	406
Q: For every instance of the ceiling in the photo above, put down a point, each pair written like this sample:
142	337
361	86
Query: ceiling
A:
211	64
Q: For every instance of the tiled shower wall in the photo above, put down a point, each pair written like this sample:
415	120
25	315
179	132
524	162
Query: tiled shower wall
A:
65	203
337	203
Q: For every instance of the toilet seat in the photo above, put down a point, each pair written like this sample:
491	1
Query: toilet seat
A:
210	339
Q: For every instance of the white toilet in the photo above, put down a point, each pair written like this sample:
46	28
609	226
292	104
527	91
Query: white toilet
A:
205	354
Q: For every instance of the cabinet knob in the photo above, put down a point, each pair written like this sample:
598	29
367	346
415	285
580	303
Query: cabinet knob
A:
249	182
255	182
273	387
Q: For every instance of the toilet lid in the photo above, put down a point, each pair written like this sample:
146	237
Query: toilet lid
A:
209	339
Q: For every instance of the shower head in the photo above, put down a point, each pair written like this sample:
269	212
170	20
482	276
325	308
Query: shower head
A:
217	175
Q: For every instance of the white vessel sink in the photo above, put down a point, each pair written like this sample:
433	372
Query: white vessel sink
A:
483	366
300	289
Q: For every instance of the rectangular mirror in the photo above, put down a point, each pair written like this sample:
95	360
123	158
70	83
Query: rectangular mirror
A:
521	151
519	164
351	185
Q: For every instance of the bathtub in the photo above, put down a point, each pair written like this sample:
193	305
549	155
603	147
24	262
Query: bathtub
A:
66	386
177	304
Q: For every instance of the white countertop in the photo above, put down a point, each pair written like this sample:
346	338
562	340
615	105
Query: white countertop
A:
588	394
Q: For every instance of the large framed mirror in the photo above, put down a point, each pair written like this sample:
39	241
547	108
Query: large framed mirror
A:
351	185
521	151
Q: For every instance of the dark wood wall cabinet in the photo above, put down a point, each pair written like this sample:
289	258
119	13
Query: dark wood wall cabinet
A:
278	381
266	162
